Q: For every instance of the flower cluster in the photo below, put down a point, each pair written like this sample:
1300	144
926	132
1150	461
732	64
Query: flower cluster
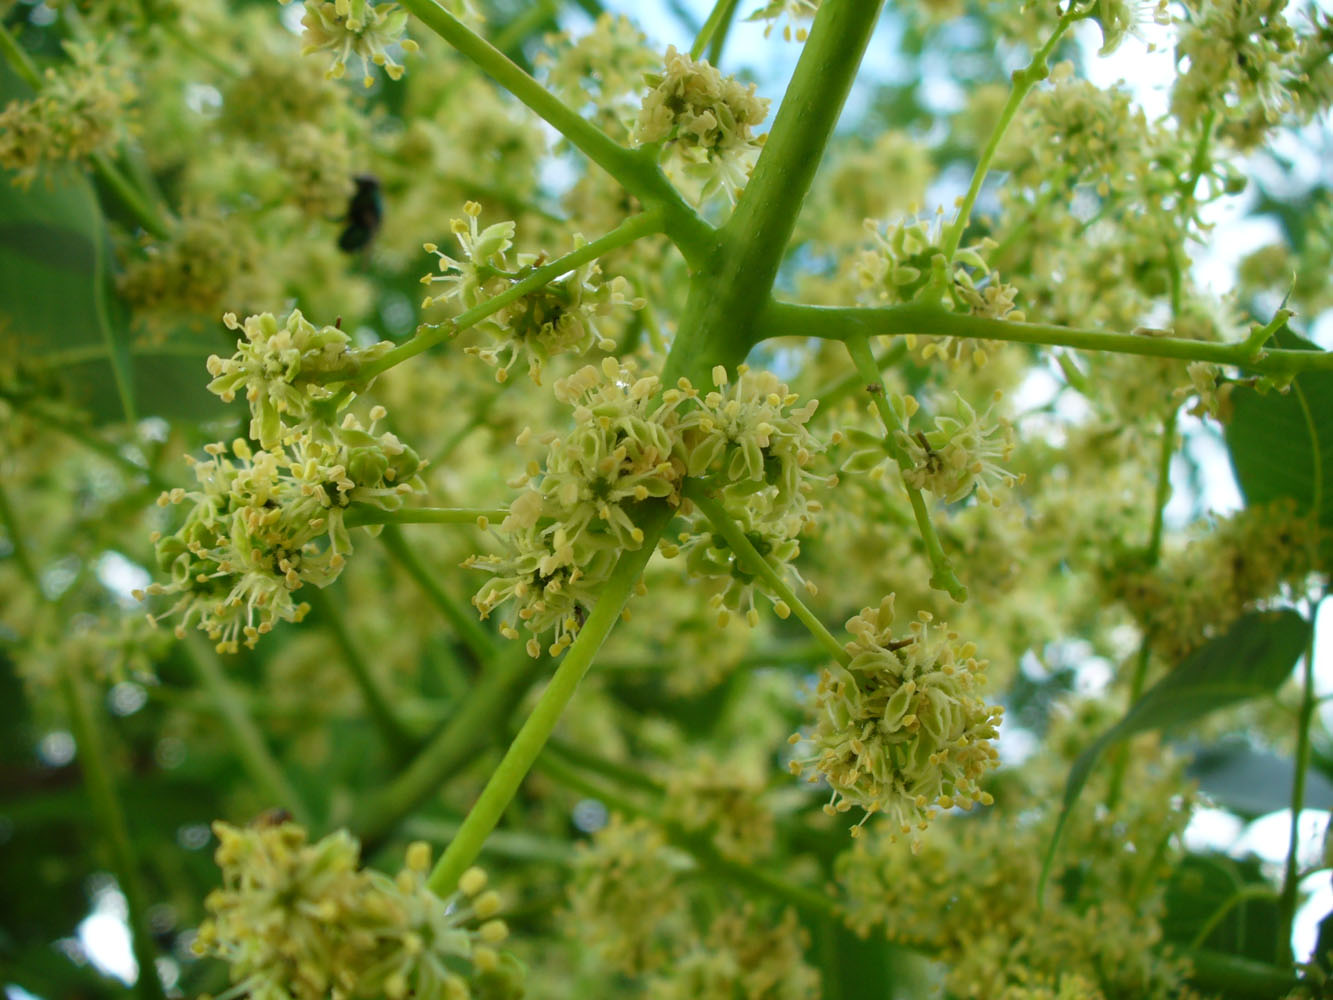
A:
901	728
908	263
725	800
960	455
751	441
1198	591
601	71
263	524
706	121
283	367
969	893
625	898
742	957
358	28
80	110
560	317
1240	54
793	12
564	533
300	920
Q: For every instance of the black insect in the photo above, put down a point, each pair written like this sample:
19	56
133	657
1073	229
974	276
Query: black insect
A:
365	212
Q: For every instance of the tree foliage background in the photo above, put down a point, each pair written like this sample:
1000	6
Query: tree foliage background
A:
337	584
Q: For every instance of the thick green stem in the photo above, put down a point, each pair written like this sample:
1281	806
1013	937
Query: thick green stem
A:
700	845
427	337
478	641
719	19
782	319
359	516
1023	82
110	821
728	291
1238	977
477	722
1291	878
754	563
942	576
246	739
637	173
513	768
395	733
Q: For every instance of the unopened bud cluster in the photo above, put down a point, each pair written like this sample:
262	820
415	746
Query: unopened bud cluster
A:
706	121
560	317
302	921
794	14
902	728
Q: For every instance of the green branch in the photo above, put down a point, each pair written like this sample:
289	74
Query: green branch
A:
644	224
719	21
110	822
513	768
754	563
477	722
783	319
1023	82
942	576
636	172
699	845
470	631
728	291
395	733
229	707
1286	909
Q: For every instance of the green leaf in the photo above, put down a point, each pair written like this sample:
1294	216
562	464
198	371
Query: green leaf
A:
1251	782
1227	901
1281	444
1255	656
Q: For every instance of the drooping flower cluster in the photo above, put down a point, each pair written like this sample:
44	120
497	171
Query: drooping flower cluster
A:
304	921
359	28
908	263
560	317
706	121
751	441
263	524
902	728
283	368
562	536
960	455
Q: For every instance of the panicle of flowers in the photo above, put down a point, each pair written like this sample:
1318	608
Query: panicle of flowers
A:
1119	18
794	13
1240	54
558	318
908	264
961	454
751	441
601	70
625	899
564	532
722	798
282	368
81	109
359	28
299	920
1198	591
902	729
744	956
706	121
263	524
